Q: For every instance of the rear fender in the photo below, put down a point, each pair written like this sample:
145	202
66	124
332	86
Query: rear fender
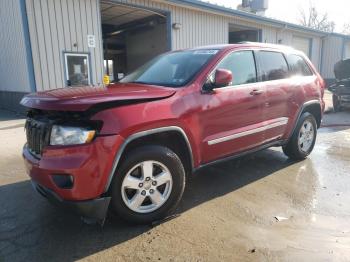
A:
304	108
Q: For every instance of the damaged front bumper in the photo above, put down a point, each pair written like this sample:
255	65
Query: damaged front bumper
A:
92	209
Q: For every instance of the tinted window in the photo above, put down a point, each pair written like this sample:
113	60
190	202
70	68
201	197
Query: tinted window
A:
242	66
273	66
298	66
172	69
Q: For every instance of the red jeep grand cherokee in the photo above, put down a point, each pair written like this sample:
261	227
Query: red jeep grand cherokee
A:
130	146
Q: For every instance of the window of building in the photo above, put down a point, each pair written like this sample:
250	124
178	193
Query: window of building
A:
273	66
298	66
77	69
242	66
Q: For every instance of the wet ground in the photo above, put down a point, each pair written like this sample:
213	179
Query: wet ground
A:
228	211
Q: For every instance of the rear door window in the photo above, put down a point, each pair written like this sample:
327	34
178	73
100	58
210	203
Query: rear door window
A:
298	66
273	65
242	66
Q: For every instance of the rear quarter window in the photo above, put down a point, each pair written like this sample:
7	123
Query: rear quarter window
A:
273	66
298	66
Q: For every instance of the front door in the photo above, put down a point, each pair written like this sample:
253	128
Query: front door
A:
231	117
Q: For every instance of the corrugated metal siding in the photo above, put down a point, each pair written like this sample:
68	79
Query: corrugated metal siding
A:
55	27
14	72
332	52
346	50
316	52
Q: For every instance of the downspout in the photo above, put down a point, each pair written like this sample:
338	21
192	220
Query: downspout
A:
27	42
343	48
321	54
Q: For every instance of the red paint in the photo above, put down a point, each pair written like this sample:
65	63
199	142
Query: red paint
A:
223	77
89	164
202	116
82	98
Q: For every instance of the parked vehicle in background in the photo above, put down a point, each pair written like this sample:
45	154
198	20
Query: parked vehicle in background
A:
131	145
341	88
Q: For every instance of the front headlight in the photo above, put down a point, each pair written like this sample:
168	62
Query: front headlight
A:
68	135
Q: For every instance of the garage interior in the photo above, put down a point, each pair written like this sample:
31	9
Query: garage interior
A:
131	37
242	34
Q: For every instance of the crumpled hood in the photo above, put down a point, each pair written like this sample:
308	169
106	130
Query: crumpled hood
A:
342	69
82	98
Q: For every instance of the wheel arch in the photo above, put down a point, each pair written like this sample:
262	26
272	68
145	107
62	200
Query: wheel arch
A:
164	136
314	108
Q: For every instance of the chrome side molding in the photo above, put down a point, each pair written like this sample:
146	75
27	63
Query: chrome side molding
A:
280	122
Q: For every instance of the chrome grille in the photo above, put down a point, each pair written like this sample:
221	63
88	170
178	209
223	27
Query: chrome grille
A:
37	136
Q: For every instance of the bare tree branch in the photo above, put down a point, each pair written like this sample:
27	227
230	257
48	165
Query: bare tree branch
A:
346	29
314	19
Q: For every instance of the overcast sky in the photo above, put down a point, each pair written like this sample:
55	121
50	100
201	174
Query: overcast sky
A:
288	10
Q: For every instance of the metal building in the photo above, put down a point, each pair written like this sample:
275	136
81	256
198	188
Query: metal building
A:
48	44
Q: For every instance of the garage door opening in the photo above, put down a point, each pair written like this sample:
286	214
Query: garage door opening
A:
242	34
131	37
303	44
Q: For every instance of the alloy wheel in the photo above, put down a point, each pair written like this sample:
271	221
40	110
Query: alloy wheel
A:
306	136
146	186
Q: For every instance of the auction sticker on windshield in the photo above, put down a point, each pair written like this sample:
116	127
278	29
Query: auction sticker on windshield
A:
205	52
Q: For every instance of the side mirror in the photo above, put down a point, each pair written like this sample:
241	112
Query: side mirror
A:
221	78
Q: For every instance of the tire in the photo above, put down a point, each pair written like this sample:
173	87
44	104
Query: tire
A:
295	149
137	165
336	104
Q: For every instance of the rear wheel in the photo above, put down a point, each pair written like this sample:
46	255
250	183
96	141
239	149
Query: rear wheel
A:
148	185
303	139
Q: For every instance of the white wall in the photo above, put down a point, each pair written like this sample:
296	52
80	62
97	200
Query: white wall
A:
332	53
14	71
62	26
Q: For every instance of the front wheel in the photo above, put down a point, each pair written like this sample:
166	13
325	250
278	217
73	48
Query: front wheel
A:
303	138
148	185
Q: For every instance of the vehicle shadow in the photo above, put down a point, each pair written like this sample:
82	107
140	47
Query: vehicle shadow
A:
31	229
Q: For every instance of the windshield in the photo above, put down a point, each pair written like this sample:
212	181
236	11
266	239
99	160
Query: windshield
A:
171	69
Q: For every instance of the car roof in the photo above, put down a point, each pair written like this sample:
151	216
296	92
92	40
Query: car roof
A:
281	48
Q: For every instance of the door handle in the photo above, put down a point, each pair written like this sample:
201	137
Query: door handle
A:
256	92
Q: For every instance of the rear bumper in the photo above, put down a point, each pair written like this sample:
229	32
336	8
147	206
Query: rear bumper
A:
94	209
343	99
345	104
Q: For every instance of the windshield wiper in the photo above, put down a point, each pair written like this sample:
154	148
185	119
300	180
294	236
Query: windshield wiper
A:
154	84
141	82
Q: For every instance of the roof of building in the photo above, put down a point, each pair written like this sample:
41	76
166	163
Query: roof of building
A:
247	15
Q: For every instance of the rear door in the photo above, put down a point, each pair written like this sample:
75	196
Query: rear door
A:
304	82
231	116
273	72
